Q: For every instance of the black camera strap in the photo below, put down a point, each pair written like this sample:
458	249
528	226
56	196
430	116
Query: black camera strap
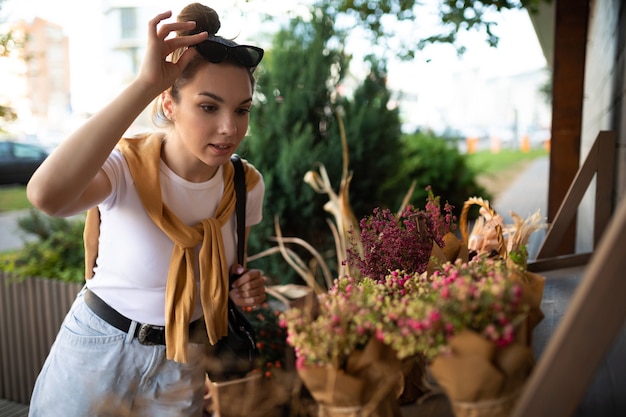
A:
240	207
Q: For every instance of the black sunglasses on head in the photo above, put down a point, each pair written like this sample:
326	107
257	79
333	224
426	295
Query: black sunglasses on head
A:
216	52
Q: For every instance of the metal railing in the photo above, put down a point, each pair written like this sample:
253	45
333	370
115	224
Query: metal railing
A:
31	312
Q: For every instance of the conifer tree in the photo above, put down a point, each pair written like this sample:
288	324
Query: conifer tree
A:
294	128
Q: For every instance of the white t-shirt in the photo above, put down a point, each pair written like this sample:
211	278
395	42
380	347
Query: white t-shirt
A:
134	254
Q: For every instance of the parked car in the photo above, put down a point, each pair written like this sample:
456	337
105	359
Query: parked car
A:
18	161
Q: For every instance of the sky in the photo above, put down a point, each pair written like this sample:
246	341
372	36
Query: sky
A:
426	76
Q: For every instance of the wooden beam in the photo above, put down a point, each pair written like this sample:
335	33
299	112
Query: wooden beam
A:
599	162
570	40
559	262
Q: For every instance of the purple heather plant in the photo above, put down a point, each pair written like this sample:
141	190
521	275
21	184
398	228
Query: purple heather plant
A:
401	242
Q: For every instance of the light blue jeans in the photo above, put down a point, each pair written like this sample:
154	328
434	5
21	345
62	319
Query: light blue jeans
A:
94	369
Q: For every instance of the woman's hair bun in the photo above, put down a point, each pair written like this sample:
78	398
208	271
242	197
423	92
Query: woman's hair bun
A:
207	19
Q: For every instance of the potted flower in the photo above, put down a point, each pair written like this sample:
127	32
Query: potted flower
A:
264	392
469	321
346	369
413	240
490	237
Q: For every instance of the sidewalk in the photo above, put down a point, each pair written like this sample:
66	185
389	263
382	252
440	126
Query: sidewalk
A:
11	237
527	194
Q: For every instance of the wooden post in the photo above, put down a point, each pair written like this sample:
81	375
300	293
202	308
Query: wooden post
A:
570	40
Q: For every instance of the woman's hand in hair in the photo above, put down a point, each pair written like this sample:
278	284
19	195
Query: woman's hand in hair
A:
156	70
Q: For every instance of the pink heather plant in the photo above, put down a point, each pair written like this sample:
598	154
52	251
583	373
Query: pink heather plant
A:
401	242
347	313
400	283
415	314
478	296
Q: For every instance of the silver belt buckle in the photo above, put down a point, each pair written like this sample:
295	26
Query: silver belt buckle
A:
145	330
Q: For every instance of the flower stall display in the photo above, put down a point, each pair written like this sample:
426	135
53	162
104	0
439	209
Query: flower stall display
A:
467	321
413	301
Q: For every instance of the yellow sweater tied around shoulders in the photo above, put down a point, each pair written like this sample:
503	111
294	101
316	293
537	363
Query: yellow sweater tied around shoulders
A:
142	156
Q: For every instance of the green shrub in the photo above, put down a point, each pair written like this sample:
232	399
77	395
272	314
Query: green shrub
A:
437	162
58	252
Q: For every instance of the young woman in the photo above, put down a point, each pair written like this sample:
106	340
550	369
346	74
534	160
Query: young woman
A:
161	232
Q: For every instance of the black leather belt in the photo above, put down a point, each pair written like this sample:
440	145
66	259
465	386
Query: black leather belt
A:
146	334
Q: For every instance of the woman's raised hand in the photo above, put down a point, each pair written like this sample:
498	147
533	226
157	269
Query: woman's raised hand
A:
156	71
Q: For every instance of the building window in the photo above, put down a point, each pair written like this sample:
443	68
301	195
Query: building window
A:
128	22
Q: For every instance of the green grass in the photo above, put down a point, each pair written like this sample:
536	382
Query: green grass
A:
485	162
13	198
